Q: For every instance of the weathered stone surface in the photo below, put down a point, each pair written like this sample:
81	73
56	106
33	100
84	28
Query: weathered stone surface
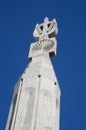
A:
36	100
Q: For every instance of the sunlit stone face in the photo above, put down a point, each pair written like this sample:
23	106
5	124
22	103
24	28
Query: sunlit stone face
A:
45	38
36	99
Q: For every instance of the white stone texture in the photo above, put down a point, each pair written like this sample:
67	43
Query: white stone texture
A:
36	100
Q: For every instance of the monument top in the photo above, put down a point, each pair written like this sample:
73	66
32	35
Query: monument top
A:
45	30
44	35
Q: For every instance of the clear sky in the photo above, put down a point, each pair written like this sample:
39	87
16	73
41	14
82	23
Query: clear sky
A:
17	22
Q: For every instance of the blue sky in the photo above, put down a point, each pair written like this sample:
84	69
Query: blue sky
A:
17	21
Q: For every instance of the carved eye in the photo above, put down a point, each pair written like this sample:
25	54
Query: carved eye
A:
48	25
41	27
